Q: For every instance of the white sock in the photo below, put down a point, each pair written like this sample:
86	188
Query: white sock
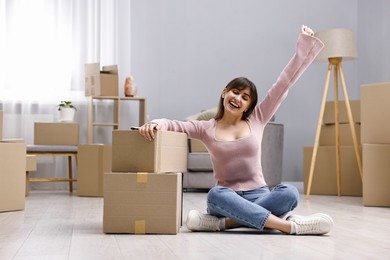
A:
293	228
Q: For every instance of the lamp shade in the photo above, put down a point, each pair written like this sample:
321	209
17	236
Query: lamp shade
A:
339	43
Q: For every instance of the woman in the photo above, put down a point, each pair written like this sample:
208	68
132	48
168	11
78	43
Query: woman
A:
233	139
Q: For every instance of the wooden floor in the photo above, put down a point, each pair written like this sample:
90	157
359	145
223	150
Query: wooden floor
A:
56	225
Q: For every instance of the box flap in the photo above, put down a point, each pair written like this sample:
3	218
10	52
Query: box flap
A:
92	69
110	69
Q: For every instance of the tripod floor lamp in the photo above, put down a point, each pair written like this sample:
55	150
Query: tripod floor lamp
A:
339	45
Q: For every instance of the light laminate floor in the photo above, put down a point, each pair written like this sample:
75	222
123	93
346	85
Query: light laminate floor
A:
56	225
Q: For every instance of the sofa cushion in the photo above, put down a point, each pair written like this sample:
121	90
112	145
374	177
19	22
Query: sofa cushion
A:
36	148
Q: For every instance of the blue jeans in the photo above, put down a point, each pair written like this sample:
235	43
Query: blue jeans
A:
252	208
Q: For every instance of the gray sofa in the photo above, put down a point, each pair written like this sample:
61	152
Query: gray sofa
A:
200	171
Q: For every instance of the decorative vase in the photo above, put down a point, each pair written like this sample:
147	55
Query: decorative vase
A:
130	88
67	114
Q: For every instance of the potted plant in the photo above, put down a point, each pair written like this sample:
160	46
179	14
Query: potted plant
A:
67	111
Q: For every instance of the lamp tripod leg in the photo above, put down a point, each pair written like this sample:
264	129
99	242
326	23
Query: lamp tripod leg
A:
351	122
337	127
317	137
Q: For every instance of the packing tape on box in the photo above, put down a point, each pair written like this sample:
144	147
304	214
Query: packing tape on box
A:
139	226
142	177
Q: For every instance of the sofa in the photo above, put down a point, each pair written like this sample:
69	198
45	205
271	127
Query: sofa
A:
200	175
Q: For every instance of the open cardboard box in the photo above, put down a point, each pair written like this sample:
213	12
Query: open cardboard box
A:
101	82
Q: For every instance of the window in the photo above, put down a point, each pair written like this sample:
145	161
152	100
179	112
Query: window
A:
45	44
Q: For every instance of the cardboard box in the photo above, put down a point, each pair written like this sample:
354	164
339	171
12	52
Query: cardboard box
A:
93	160
328	134
101	83
197	146
343	115
50	133
375	113
31	166
325	177
142	203
131	152
376	175
31	163
12	176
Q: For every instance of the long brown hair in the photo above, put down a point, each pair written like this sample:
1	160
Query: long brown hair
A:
239	83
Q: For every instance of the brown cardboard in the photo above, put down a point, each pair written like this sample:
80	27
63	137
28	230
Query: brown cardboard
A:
197	146
329	116
31	166
12	176
101	83
50	133
142	203
93	160
376	175
324	178
375	113
131	152
31	163
328	134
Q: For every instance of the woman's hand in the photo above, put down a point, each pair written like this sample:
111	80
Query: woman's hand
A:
148	130
307	30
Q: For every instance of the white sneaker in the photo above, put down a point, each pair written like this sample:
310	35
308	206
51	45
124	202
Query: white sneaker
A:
316	224
197	221
294	217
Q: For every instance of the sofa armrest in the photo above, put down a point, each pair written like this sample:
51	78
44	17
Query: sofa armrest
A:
272	153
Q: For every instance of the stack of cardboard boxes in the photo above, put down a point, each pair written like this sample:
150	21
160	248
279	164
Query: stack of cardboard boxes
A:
375	112
143	193
12	173
93	160
325	177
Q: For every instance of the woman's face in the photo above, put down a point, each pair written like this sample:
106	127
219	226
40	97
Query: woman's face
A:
236	101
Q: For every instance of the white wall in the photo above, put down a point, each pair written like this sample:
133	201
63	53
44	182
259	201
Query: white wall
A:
184	52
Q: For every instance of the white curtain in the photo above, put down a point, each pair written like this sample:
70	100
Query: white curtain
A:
44	45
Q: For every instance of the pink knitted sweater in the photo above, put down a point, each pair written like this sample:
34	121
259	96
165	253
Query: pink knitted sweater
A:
237	164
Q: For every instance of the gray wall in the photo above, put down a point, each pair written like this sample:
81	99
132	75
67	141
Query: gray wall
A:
183	53
374	41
